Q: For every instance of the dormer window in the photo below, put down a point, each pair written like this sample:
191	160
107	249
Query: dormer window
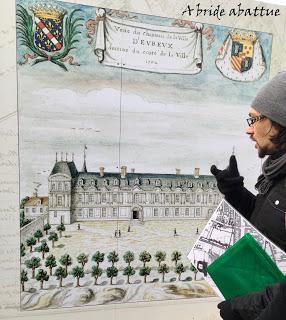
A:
115	182
137	181
80	182
190	184
158	183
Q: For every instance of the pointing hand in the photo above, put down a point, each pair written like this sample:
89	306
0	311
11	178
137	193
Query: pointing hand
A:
228	180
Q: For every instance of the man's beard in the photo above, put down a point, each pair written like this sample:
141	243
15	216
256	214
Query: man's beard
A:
262	152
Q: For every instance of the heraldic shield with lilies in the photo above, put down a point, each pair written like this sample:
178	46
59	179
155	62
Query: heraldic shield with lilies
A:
51	35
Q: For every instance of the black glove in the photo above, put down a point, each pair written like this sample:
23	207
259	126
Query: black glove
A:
228	180
276	310
226	312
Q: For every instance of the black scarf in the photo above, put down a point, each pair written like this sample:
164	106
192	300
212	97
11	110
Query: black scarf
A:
273	167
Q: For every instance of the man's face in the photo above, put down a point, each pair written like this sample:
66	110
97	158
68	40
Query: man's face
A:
261	132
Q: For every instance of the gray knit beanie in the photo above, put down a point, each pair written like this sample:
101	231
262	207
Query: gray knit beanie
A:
271	99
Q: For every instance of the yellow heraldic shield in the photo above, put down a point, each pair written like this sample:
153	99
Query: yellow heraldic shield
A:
241	57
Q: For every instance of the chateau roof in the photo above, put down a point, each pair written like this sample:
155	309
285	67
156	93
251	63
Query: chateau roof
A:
131	175
65	167
33	201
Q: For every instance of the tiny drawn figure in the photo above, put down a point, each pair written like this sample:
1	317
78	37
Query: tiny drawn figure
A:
175	232
115	233
119	233
128	230
197	232
78	226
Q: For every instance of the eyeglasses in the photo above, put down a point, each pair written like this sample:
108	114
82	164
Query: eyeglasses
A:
252	120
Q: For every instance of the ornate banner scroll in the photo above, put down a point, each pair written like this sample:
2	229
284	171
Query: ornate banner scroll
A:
148	47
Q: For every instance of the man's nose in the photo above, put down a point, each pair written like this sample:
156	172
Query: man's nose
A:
249	130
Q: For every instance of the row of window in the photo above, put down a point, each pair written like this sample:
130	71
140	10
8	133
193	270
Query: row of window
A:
65	186
60	186
141	198
197	212
34	210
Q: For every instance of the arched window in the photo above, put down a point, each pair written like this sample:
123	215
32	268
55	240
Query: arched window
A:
137	181
158	183
115	182
190	184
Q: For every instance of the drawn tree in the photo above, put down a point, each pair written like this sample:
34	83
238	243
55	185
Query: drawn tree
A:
128	257
46	228
60	273
61	228
82	259
23	202
42	276
179	270
22	250
111	272
176	256
43	248
160	256
38	234
78	273
33	264
194	270
144	272
66	261
53	237
30	243
98	257
24	278
113	257
51	263
128	271
145	257
96	272
163	269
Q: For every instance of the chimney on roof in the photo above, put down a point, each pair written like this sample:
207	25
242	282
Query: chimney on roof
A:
84	169
101	171
178	172
35	193
123	172
132	170
197	173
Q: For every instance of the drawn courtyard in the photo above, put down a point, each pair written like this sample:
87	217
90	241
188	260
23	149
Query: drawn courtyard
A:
151	236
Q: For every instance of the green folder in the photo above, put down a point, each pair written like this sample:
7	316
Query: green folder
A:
244	268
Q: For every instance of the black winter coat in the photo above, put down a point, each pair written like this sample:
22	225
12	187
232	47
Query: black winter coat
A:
267	213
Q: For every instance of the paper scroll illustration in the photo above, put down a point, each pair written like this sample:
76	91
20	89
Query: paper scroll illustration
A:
241	57
139	46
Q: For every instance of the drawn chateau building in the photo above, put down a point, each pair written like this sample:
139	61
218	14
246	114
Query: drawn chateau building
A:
81	195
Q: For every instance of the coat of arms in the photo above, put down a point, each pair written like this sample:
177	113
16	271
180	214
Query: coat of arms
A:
242	50
241	56
50	36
